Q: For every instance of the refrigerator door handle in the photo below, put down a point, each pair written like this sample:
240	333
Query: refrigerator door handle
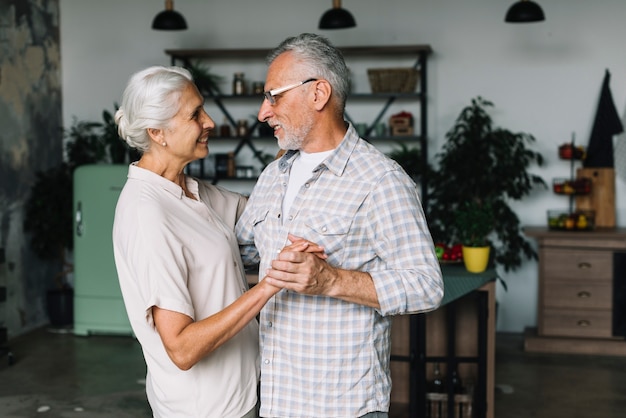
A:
79	219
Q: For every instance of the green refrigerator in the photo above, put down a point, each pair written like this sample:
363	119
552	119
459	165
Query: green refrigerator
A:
98	304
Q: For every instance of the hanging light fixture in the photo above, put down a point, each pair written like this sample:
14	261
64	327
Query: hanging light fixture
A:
169	19
337	18
524	11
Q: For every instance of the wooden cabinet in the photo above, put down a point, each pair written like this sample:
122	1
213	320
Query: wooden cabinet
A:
459	335
579	273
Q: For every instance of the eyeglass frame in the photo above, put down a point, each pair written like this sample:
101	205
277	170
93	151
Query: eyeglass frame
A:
269	95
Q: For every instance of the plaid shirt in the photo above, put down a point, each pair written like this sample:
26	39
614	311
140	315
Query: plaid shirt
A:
320	356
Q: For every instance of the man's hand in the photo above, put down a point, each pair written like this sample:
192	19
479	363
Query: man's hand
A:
301	267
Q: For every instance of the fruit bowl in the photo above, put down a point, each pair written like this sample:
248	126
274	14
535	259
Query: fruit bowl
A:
579	186
580	220
571	152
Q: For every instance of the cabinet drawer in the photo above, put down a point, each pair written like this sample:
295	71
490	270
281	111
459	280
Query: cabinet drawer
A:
576	323
573	264
578	295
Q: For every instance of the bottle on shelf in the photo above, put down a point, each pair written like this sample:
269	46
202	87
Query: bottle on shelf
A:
225	129
242	128
231	166
239	84
455	381
436	385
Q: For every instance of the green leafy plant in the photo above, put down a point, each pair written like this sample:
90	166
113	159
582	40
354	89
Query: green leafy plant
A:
474	222
206	81
410	159
481	161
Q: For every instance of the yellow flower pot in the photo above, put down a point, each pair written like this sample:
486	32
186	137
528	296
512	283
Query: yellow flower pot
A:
476	258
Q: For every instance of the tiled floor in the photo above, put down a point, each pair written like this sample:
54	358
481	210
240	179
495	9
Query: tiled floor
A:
60	375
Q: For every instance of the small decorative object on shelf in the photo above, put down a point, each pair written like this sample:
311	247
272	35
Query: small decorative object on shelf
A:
221	165
436	385
437	397
245	171
401	124
239	85
438	406
225	129
242	128
257	87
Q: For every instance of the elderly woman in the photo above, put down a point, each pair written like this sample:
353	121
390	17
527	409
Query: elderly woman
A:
178	260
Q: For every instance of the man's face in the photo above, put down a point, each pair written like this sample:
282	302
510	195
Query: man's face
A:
291	115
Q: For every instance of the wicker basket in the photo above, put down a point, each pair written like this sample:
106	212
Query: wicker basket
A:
393	80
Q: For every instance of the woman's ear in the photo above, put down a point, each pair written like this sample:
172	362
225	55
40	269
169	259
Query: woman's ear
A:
156	135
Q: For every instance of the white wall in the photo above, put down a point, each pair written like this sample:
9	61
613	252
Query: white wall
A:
544	78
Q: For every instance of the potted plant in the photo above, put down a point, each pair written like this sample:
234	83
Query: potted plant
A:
206	81
481	161
474	222
48	209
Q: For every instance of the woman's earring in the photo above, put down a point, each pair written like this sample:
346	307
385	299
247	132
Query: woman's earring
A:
164	144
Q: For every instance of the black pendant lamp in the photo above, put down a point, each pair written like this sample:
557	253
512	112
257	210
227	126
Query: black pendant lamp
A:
169	19
524	11
337	18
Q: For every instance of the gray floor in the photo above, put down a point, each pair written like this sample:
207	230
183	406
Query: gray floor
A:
60	375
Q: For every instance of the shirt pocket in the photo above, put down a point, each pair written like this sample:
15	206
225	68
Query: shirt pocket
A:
329	232
264	232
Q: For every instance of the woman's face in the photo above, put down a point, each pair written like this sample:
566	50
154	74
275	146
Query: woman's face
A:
187	133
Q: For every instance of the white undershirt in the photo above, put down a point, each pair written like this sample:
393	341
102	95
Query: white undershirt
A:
301	170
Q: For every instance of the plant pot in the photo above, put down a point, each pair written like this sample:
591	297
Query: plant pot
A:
60	304
476	259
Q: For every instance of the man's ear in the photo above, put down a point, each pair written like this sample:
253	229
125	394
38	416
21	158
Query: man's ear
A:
323	91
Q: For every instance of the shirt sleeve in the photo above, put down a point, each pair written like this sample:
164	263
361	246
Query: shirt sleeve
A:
411	280
161	265
244	230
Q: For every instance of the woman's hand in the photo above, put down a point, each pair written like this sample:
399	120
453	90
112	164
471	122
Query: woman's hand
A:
299	244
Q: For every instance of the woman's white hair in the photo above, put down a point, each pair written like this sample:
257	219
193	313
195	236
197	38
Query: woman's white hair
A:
150	100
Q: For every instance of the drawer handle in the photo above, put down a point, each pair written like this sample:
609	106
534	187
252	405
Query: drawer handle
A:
584	294
584	265
583	323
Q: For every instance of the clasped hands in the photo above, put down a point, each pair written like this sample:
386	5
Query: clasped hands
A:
301	267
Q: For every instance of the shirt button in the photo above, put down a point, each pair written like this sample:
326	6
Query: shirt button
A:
269	324
324	229
307	185
291	217
266	361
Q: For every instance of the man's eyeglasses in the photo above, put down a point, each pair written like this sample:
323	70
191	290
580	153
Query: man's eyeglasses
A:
269	95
